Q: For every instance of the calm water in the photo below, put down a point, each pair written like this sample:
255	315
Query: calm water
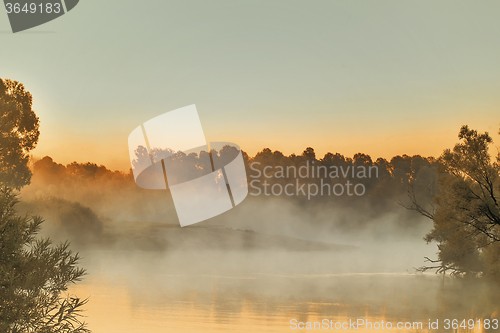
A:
237	292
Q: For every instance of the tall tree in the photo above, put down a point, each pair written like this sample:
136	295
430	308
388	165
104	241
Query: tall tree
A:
467	214
18	133
34	274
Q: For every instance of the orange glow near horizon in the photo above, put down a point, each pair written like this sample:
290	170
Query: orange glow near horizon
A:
113	152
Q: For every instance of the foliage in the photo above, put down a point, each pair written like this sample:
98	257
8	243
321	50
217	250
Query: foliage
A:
33	276
18	133
467	215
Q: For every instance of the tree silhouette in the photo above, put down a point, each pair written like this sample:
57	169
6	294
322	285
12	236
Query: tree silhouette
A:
18	133
33	273
467	212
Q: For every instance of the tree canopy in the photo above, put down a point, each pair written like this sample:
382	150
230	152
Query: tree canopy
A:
467	214
18	133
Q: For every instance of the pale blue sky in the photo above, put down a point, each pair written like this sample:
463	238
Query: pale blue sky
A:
381	77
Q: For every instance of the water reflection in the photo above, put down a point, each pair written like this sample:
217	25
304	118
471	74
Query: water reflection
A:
267	302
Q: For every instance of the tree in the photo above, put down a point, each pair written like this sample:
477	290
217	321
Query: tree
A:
467	213
309	154
18	133
33	273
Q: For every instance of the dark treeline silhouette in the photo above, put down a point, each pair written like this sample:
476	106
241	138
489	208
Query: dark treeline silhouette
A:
383	179
305	179
113	195
384	182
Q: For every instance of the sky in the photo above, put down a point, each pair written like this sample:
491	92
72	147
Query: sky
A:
385	78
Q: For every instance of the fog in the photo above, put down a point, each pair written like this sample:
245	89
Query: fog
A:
101	210
270	254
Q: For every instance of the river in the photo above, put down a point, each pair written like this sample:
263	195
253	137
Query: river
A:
216	291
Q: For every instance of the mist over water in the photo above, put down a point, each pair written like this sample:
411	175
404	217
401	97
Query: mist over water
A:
138	291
